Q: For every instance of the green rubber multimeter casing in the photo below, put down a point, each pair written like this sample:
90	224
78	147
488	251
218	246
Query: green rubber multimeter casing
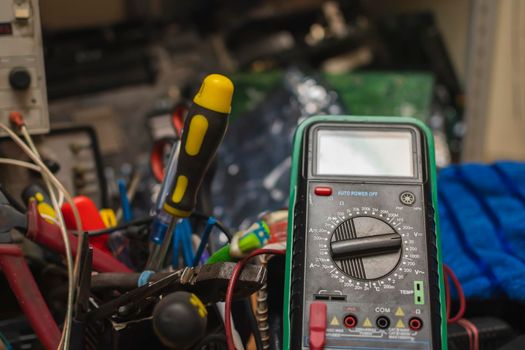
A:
388	293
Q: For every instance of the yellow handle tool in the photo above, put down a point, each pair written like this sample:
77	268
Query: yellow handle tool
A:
204	129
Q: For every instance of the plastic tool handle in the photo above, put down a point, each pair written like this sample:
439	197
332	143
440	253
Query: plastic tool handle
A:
204	129
48	235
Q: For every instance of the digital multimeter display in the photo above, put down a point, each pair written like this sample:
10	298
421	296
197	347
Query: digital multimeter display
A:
364	153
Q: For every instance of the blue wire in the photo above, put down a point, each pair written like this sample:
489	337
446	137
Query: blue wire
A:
6	342
182	238
187	242
204	239
176	246
124	201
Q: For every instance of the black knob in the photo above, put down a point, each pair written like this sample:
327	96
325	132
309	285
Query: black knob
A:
179	320
19	78
365	248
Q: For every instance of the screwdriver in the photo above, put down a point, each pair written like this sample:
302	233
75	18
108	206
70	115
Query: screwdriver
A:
203	131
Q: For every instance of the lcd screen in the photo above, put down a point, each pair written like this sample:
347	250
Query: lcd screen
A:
364	153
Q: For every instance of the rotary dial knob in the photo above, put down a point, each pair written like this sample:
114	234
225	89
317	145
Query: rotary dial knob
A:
19	78
365	248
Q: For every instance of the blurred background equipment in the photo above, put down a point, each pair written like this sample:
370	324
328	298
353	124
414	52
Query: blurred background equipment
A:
22	76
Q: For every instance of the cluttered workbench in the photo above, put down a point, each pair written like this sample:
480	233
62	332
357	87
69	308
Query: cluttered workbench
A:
279	205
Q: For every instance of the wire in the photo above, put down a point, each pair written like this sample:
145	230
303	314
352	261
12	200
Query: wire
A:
472	332
157	157
138	222
20	163
204	240
124	201
64	342
231	286
462	301
60	198
253	324
177	118
224	230
46	171
66	333
227	232
148	220
158	167
6	342
131	191
50	218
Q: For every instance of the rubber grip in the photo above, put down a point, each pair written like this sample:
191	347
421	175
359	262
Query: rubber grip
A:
203	132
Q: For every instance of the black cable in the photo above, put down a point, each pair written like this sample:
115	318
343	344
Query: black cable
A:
148	220
138	222
218	224
224	230
253	324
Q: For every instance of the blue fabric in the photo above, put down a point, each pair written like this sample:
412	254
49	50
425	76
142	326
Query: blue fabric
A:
482	215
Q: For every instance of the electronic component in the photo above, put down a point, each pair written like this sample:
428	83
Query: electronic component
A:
22	77
364	249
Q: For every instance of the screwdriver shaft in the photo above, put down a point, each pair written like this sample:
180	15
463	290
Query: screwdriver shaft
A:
159	252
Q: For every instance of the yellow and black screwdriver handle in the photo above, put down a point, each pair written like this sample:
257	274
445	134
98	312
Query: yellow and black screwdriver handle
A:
204	129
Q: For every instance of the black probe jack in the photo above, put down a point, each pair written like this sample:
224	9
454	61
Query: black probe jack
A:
383	322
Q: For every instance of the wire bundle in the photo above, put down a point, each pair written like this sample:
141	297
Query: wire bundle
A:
53	186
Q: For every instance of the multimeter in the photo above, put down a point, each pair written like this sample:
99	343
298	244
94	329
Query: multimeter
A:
363	258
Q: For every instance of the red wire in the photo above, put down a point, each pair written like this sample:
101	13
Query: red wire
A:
177	118
156	159
469	332
462	302
157	152
447	294
231	286
472	332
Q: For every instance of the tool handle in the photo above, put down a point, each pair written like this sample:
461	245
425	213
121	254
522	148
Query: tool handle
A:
203	132
48	235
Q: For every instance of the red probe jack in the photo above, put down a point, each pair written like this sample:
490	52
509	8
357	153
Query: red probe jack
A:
415	324
350	321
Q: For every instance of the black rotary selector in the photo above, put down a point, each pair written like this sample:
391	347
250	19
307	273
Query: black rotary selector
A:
365	248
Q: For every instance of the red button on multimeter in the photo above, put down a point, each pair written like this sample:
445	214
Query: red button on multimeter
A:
323	191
